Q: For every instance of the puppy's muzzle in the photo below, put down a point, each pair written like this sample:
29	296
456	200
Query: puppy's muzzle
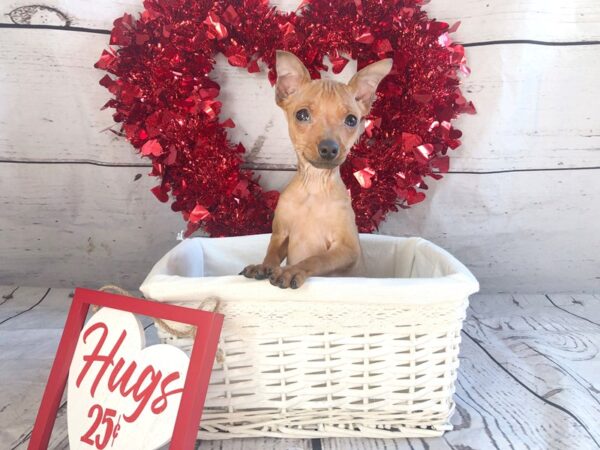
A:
328	149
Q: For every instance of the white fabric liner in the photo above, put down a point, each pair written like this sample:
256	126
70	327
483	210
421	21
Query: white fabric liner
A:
399	270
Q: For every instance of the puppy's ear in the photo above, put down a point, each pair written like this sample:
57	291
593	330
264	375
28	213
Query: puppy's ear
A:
291	74
364	83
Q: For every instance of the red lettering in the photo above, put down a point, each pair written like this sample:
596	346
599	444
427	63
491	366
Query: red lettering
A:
142	396
122	382
160	403
122	377
106	360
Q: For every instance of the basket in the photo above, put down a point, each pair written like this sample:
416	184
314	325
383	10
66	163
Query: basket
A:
340	357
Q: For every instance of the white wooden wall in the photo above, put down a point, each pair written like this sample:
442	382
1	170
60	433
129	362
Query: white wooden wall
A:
520	207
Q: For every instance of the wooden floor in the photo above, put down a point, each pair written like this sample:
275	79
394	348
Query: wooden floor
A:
529	375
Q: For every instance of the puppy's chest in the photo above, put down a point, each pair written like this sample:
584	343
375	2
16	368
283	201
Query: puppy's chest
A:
312	224
314	212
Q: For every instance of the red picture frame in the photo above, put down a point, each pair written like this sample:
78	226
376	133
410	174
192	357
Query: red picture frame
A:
208	329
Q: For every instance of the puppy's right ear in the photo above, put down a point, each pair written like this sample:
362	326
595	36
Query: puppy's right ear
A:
364	83
291	74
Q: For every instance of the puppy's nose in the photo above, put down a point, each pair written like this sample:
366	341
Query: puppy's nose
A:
328	149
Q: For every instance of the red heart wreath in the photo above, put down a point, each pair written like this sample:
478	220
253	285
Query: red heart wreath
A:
169	111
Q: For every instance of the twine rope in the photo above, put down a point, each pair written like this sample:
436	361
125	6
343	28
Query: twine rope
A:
210	304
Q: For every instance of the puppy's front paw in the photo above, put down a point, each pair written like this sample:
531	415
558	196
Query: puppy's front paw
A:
257	271
288	277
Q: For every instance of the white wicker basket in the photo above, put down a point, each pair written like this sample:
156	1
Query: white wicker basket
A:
370	357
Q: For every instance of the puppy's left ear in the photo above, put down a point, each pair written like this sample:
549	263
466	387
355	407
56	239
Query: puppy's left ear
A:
364	83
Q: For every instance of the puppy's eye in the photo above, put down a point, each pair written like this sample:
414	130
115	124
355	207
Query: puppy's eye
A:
302	115
351	120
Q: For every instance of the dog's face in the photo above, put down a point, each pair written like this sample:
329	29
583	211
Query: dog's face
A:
325	118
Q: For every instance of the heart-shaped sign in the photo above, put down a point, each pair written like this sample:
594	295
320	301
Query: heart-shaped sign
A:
120	394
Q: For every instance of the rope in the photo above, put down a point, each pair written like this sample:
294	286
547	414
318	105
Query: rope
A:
190	332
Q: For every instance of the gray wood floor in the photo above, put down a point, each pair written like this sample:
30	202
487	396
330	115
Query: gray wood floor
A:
529	375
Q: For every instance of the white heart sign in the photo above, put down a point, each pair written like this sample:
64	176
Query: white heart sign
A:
120	394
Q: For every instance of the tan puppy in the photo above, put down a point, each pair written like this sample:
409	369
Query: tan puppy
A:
314	225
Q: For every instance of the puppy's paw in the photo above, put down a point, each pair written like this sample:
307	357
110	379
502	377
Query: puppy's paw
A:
288	277
257	271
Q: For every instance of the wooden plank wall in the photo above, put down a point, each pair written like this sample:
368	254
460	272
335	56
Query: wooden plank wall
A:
520	206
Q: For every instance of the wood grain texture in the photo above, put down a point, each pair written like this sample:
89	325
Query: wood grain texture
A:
71	222
517	232
560	350
27	348
555	21
14	304
526	379
256	443
526	120
91	227
583	307
510	396
26	354
71	236
510	230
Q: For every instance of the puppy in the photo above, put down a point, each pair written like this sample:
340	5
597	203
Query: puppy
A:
314	225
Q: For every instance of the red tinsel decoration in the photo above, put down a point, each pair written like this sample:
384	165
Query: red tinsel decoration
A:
169	111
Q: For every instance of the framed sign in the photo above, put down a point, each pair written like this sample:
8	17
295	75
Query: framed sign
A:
147	383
